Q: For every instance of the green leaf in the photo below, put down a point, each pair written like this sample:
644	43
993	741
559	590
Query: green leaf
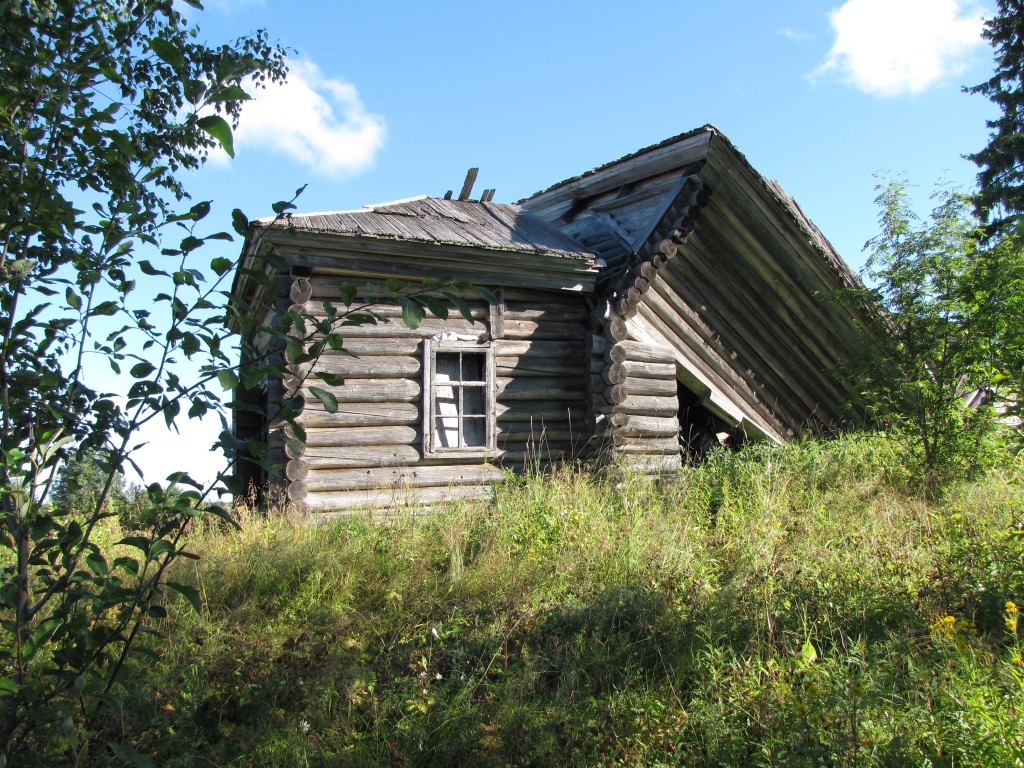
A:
239	222
142	370
149	269
182	478
487	295
331	379
461	305
189	593
73	299
228	380
412	312
394	285
328	399
807	653
229	93
168	52
106	308
97	563
437	307
218	128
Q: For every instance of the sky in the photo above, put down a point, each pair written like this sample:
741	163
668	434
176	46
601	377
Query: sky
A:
391	100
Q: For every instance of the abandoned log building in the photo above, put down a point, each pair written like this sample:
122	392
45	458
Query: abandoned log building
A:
648	307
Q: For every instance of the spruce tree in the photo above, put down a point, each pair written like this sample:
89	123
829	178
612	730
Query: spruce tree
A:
1000	200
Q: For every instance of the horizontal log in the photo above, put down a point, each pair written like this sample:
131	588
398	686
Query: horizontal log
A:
648	426
573	312
529	329
367	456
537	349
378	367
402	478
393	498
396	329
547	452
361	415
527	435
653	464
637	369
524	410
643	405
361	347
369	390
351	437
525	388
656	387
538	366
639	352
652	445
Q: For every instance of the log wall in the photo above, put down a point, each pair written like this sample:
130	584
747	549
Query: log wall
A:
369	454
634	401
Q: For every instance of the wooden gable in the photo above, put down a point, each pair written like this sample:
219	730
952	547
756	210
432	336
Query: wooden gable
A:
712	264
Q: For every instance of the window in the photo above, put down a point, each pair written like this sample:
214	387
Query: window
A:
458	391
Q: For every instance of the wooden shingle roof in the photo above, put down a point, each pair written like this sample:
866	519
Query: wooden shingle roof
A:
493	226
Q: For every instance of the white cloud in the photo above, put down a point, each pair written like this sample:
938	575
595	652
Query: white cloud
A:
895	47
319	121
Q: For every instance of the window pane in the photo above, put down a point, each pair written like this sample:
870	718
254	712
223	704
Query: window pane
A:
472	366
474	431
473	401
446	432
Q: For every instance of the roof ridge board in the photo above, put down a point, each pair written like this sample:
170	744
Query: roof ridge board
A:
658	149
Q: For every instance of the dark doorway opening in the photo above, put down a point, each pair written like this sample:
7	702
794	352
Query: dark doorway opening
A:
701	431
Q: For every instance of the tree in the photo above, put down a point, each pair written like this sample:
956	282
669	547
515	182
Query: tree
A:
79	483
102	105
1000	199
933	366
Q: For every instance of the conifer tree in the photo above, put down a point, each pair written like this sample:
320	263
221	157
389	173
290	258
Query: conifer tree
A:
1000	200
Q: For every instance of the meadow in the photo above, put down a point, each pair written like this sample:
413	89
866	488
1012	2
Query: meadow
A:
799	605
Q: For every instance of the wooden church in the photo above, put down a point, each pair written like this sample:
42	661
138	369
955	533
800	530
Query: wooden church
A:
645	310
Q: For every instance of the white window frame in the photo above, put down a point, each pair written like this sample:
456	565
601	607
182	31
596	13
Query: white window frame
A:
431	349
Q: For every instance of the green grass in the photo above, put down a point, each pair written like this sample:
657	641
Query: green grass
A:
778	607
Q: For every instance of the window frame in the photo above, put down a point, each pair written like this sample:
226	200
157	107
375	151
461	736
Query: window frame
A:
431	349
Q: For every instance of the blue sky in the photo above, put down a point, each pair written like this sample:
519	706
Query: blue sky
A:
390	100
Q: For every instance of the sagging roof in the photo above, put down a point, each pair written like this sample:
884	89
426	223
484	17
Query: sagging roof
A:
707	257
494	226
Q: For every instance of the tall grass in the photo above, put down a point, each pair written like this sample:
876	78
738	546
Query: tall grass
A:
784	606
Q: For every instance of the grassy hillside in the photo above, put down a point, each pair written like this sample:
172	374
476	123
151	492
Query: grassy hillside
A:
790	606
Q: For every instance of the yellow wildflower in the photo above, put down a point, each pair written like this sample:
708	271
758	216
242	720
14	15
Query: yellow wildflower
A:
1012	614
